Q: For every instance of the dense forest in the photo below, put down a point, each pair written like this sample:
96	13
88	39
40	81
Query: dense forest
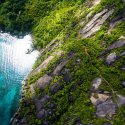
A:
79	77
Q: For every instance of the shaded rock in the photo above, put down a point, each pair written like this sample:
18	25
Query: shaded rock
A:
111	58
95	24
42	114
121	100
60	67
67	75
123	84
117	44
107	108
53	105
96	83
40	103
77	121
23	121
55	88
44	81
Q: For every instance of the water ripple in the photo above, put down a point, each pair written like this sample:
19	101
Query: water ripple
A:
15	64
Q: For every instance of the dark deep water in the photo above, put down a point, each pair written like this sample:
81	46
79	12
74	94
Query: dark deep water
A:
15	64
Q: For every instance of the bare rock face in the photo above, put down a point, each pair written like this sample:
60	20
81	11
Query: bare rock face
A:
111	58
40	103
42	114
44	81
60	67
55	88
96	22
45	63
117	44
107	108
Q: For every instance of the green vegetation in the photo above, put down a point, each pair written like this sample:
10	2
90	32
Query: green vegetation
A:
48	20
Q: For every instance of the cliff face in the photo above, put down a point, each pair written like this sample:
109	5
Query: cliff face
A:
79	77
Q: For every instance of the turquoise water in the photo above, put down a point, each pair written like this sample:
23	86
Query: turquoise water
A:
15	64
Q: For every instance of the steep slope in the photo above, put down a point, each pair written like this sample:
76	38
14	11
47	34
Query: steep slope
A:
79	77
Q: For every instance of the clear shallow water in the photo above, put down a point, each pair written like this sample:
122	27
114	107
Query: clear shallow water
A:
15	64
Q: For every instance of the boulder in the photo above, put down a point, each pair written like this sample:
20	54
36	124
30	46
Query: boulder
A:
55	88
42	114
59	68
44	82
111	58
40	103
107	108
96	22
117	44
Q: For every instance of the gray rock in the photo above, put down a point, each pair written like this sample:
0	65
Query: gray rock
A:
96	83
23	121
95	24
67	75
121	100
111	58
55	88
44	82
59	68
115	45
42	114
40	103
107	108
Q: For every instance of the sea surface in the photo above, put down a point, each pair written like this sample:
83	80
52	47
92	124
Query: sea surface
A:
15	64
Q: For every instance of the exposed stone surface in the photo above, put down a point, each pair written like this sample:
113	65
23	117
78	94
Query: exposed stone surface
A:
121	100
66	74
107	108
96	83
111	58
55	88
40	103
45	63
96	22
44	81
117	44
42	114
59	68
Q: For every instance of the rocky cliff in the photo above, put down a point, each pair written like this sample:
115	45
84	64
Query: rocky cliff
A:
79	78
